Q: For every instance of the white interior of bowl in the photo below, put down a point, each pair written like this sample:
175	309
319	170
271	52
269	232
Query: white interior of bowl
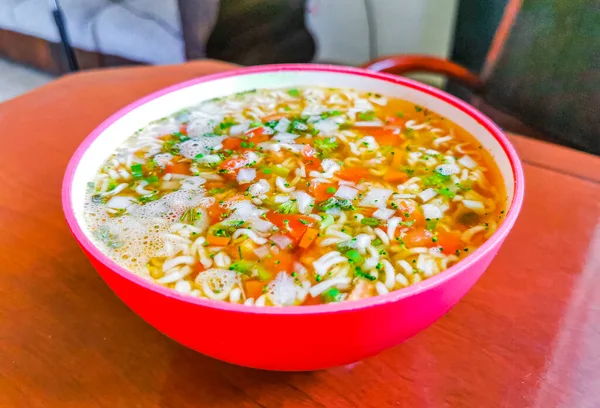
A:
165	105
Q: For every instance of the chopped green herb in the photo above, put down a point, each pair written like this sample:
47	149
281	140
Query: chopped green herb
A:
294	92
190	216
326	145
332	295
431	224
377	242
446	192
148	198
266	171
347	245
373	222
227	123
330	190
304	222
418	108
436	180
104	235
152	179
359	273
369	115
214	191
137	171
400	114
242	266
333	202
289	207
354	257
281	171
327	221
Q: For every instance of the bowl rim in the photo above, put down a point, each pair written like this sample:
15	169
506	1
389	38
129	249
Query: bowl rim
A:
425	285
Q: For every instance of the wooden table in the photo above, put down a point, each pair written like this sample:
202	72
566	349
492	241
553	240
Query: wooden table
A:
527	335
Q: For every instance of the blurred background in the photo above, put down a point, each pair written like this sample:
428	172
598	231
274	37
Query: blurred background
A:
532	65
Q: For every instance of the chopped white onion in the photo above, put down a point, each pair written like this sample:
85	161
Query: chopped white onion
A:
281	241
376	197
326	126
447	169
281	185
346	192
476	206
431	211
262	251
280	199
468	162
239	129
427	194
246	176
283	125
260	225
285	137
383	213
371	123
282	291
260	187
305	202
120	202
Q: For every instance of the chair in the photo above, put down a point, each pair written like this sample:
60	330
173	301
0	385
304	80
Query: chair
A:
542	64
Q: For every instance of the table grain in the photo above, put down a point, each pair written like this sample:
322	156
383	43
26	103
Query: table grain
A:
527	334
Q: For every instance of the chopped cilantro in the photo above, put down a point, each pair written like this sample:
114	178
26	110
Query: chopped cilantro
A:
294	92
359	273
330	190
333	202
326	145
436	180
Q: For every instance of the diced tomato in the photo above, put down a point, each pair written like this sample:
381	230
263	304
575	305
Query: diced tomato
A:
217	241
233	165
395	176
275	263
309	237
214	213
257	135
449	241
394	120
178	168
311	161
414	214
353	173
274	116
419	237
213	184
254	288
294	226
312	301
322	191
183	129
397	159
232	143
384	136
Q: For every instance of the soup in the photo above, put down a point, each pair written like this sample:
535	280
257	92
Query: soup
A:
295	197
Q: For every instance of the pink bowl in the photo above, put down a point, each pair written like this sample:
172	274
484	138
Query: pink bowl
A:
290	338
